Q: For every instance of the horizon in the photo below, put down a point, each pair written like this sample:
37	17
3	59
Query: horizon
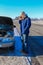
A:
13	8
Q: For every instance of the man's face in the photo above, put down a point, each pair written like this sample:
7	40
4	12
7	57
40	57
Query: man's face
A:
23	16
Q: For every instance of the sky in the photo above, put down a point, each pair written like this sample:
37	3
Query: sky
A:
13	8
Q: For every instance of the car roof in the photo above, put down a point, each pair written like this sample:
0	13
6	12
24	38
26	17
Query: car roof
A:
6	20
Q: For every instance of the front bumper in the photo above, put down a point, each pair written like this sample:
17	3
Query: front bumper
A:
6	42
6	45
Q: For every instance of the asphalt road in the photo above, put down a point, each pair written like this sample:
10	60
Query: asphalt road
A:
36	30
35	42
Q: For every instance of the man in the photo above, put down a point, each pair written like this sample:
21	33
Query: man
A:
25	24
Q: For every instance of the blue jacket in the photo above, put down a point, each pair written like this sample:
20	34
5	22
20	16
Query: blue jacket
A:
25	25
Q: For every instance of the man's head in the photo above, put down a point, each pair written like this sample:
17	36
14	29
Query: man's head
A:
23	15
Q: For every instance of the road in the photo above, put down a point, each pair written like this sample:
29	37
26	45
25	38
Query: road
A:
36	30
35	42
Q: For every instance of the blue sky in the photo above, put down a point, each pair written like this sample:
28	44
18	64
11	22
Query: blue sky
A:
13	8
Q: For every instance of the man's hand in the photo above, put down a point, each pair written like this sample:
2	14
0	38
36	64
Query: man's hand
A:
20	18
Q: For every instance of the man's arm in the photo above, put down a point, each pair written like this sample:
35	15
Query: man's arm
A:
28	24
19	21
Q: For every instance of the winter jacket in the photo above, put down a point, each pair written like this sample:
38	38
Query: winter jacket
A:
25	24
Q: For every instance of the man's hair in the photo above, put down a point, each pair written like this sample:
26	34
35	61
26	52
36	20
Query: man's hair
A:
23	12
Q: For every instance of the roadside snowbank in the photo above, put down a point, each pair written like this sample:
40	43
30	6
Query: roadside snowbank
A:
37	22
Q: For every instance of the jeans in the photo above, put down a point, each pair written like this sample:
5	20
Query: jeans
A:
24	38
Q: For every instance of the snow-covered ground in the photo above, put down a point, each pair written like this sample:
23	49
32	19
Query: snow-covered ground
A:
38	22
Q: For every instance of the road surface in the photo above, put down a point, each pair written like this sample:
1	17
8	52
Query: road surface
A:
36	42
36	30
36	45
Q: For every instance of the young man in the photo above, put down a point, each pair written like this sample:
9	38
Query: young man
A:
25	24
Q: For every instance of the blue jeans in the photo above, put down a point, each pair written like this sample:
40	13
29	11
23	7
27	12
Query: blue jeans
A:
24	38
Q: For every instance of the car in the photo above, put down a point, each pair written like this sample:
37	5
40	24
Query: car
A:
6	32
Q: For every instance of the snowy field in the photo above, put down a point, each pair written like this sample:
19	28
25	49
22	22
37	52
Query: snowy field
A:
38	22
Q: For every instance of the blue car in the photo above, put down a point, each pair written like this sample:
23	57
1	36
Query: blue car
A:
6	32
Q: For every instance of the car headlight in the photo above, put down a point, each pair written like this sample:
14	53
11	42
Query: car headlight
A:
8	39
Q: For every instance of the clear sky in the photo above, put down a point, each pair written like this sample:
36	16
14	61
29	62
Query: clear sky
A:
13	8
